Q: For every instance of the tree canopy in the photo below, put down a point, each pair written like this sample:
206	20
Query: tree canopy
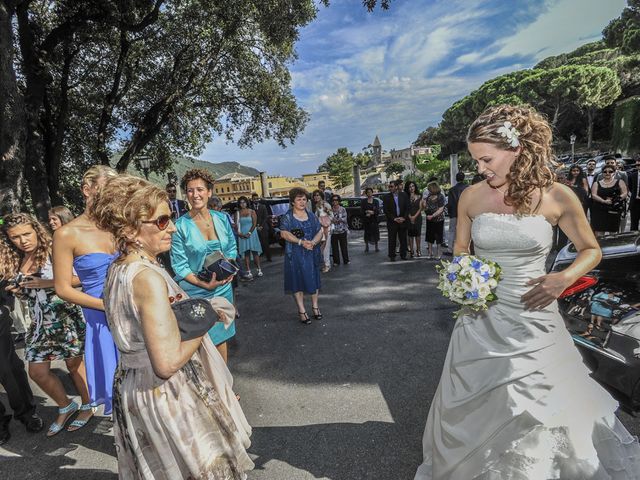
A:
340	167
96	81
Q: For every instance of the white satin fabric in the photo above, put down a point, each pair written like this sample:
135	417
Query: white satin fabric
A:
515	400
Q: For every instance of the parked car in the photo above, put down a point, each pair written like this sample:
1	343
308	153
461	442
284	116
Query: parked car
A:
276	207
353	205
602	313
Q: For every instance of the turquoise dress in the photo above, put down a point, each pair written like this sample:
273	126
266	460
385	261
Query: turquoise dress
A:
251	244
188	251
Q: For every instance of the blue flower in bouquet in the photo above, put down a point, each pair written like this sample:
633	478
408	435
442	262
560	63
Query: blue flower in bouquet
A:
469	281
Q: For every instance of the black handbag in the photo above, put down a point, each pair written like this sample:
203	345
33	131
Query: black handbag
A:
297	232
195	317
216	263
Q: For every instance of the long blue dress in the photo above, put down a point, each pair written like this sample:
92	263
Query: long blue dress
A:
188	251
100	352
301	266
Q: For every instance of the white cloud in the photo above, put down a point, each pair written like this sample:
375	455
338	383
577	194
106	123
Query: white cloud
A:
564	26
393	74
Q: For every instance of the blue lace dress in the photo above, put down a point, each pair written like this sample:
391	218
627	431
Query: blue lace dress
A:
301	266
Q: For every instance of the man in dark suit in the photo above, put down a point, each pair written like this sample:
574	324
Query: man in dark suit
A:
634	195
13	377
452	206
178	207
262	224
396	209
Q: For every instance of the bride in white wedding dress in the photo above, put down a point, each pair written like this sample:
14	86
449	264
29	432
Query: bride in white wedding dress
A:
515	400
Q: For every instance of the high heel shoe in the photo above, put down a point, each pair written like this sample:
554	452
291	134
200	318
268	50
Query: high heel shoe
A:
316	313
304	318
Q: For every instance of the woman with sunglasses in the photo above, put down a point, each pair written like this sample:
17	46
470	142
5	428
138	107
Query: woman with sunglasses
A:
81	248
174	408
340	232
199	233
607	205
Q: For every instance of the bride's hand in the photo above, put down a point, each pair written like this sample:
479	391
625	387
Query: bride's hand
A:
547	288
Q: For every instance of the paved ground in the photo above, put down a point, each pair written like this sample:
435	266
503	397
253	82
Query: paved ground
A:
345	398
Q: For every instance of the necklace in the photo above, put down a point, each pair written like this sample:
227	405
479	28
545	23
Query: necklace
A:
207	221
503	192
146	258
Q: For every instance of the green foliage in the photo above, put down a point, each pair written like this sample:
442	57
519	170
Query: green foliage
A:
340	167
394	168
626	126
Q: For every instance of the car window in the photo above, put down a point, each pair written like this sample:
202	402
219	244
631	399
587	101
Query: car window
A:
356	202
344	203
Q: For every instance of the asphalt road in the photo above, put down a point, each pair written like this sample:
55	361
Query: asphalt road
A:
345	398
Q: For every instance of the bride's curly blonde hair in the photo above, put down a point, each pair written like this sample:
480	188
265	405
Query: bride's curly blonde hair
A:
10	255
533	168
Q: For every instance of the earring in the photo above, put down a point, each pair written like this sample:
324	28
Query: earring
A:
137	243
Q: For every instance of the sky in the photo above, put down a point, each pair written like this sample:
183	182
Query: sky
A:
393	73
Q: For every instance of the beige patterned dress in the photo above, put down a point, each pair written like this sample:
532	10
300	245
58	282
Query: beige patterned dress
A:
187	427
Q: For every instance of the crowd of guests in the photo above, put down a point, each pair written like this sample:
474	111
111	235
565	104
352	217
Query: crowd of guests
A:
608	197
115	293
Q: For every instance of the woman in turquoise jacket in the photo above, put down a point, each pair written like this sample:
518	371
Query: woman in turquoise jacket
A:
200	233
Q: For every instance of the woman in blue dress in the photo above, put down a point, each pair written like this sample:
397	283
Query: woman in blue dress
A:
200	233
81	248
302	233
248	240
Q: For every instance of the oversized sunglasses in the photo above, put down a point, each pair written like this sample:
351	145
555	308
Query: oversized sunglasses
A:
162	222
607	171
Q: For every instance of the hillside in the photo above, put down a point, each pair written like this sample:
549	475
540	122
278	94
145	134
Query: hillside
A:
182	164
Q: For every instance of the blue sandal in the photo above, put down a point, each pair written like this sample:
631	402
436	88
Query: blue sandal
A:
70	409
78	424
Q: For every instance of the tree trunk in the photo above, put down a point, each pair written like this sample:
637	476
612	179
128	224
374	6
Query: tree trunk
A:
589	126
35	170
12	133
556	114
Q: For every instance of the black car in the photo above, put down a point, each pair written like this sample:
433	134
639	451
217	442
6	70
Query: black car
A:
276	207
353	206
602	313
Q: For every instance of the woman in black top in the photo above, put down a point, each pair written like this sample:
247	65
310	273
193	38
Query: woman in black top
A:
608	196
370	213
577	180
415	218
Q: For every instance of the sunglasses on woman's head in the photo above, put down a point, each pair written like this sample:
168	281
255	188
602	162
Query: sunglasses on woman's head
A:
162	222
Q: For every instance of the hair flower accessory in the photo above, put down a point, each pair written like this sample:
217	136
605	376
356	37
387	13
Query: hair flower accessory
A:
509	132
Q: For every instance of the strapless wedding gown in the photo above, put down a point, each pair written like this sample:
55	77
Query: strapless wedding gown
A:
515	400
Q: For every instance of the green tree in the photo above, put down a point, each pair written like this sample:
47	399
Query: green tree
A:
394	168
598	87
340	167
88	81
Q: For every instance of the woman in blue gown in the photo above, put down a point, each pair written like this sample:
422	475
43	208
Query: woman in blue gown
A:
302	233
200	233
82	247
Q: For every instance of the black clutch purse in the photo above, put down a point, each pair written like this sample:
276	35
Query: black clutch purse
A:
216	263
297	232
195	317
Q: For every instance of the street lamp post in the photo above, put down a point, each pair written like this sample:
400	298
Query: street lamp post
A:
145	164
572	139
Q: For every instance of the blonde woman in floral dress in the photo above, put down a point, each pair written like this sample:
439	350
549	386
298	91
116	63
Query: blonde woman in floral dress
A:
57	331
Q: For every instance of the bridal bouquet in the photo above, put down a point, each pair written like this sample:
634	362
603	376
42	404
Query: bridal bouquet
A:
469	281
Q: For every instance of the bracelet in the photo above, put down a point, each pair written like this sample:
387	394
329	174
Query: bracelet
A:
299	241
